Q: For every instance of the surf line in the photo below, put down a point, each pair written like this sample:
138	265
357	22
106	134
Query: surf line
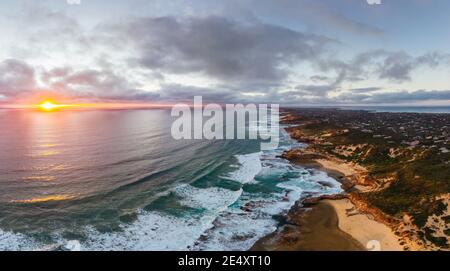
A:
194	261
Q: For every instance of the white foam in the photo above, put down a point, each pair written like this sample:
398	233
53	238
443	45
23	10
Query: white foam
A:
219	226
320	176
73	245
152	231
214	199
157	231
237	231
10	241
250	167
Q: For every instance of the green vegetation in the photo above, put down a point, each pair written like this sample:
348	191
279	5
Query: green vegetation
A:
438	241
446	219
447	232
405	148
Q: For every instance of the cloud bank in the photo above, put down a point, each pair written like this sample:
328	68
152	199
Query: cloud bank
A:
224	57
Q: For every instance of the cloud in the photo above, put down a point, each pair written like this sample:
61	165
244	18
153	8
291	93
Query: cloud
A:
224	58
394	67
397	66
177	92
221	48
90	83
42	27
319	78
323	89
365	90
16	77
315	14
323	13
391	66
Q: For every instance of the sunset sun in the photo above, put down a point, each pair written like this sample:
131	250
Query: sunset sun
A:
49	106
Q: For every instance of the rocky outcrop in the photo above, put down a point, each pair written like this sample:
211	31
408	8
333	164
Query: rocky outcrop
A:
308	202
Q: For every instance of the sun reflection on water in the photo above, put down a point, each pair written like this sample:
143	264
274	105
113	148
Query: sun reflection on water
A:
40	178
45	199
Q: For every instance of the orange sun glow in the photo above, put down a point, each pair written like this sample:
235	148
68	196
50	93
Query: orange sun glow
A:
49	106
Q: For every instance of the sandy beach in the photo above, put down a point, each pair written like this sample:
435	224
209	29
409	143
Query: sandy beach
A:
370	233
310	229
330	225
362	226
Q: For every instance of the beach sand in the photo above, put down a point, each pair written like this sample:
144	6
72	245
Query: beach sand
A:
310	229
345	173
370	233
330	225
363	228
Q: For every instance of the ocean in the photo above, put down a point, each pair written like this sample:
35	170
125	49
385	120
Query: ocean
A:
116	180
402	109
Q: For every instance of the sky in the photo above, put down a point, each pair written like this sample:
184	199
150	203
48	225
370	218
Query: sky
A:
292	52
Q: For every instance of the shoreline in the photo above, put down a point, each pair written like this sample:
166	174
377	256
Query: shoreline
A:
313	228
339	214
336	222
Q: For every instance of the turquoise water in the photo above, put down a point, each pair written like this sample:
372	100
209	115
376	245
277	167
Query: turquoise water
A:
116	180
